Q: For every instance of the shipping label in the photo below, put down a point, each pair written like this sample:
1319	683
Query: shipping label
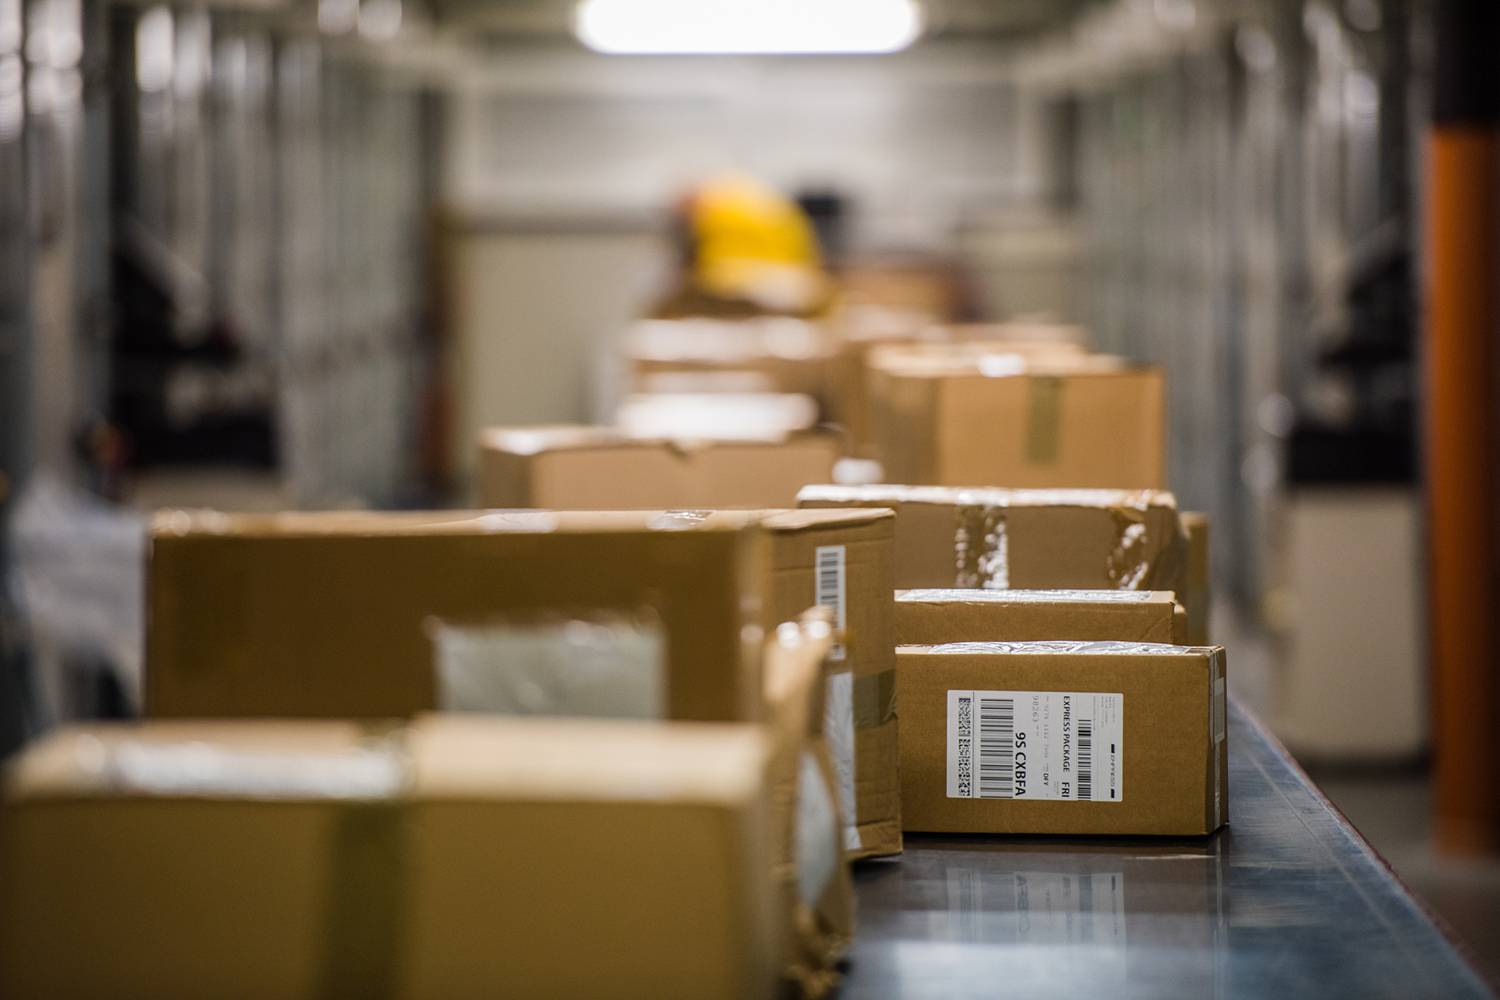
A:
1055	746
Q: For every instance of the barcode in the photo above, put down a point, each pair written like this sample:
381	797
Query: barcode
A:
1085	760
1034	746
997	748
829	587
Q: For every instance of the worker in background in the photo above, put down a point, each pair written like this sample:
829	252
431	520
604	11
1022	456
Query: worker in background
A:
745	250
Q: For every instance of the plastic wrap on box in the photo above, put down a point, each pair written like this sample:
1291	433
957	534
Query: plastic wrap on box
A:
1087	648
1027	596
78	573
601	666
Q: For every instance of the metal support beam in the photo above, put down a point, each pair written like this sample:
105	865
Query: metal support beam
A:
1462	275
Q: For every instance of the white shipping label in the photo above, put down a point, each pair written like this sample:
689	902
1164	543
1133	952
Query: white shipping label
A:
829	588
1047	745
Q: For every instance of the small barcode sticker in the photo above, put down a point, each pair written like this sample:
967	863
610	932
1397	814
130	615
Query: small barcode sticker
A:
1046	745
829	589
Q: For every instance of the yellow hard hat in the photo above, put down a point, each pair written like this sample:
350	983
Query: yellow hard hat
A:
751	242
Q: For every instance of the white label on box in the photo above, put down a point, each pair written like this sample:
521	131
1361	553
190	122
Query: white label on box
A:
1054	746
828	588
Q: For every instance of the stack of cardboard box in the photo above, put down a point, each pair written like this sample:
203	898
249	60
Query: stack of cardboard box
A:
1027	657
1013	702
334	616
590	468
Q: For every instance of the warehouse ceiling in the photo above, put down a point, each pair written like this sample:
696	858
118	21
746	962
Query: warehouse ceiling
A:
531	21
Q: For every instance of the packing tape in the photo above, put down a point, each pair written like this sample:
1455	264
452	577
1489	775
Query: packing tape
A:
601	665
1135	561
366	897
367	885
874	699
1128	562
838	732
1138	560
1043	418
981	548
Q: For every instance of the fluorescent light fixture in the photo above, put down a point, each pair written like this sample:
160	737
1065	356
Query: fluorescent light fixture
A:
747	27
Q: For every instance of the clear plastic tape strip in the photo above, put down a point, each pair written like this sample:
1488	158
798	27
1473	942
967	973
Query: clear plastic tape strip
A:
601	668
981	545
981	549
1129	562
1090	648
978	596
838	729
817	846
191	768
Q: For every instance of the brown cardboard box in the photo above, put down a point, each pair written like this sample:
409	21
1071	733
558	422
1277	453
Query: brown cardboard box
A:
1008	421
1197	598
993	740
1027	539
933	288
807	825
457	859
591	468
309	615
931	617
858	372
842	559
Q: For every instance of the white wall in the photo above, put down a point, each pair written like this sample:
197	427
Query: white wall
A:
920	140
547	151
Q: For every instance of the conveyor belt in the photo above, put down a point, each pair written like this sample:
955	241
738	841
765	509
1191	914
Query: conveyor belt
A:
1288	902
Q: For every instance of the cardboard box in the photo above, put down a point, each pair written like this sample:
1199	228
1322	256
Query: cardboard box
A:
842	559
933	288
589	468
1026	539
326	615
1008	421
861	360
807	824
456	859
993	738
932	617
1197	596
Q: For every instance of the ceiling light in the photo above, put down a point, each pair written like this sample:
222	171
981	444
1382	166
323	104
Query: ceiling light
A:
747	27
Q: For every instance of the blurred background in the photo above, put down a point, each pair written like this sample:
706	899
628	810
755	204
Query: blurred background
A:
258	254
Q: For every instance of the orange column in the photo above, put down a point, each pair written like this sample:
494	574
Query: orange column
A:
1462	276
